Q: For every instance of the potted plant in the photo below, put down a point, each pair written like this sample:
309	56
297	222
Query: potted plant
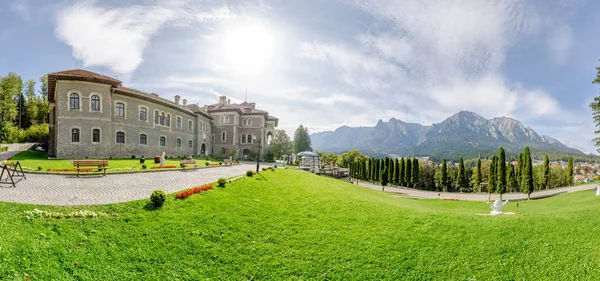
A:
156	159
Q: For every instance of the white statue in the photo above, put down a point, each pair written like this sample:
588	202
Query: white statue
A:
497	207
162	159
597	190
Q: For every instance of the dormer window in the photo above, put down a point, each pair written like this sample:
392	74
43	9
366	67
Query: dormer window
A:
248	109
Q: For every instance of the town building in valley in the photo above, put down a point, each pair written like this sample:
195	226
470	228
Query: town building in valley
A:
95	116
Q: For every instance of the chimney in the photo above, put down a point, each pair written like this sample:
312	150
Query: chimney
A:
184	102
177	97
228	101
222	100
253	105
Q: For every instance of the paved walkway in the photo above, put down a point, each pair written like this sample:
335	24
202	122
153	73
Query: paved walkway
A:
5	155
65	190
405	192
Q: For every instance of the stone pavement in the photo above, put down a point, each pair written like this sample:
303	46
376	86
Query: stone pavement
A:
406	192
6	154
65	190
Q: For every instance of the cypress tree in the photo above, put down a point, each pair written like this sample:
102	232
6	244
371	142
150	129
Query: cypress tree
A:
519	171
501	171
444	176
402	168
478	175
547	172
376	174
492	177
407	172
414	179
384	178
390	170
512	179
372	170
461	179
570	171
527	173
397	172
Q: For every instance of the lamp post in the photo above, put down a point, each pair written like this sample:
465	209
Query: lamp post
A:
258	154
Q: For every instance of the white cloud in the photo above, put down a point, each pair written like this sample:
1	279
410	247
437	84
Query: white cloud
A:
559	44
117	37
22	8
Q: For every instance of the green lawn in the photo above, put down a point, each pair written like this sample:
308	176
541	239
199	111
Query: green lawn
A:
34	159
295	225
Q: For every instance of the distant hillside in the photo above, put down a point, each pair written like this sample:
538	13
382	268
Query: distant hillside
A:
464	134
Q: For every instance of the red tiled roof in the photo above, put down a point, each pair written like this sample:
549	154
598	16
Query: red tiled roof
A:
86	74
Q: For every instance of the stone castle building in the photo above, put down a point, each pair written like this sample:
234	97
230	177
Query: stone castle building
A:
92	115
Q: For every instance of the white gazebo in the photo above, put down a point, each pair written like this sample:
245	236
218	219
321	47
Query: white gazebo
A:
309	160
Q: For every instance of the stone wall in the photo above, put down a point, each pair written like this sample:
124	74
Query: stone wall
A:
18	146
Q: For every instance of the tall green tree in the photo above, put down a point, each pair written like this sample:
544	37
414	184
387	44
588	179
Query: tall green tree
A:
302	140
391	170
570	173
512	179
478	175
11	88
31	111
383	176
527	173
397	172
444	179
282	144
401	177
461	178
519	170
43	105
547	172
501	171
350	157
492	176
407	172
595	106
414	178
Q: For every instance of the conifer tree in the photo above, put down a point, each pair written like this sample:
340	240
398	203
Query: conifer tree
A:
478	175
402	168
547	172
414	179
391	170
407	172
461	178
527	173
510	178
570	171
444	176
501	171
492	176
519	170
397	172
384	178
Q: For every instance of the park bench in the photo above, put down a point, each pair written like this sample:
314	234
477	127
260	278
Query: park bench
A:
227	162
182	163
101	164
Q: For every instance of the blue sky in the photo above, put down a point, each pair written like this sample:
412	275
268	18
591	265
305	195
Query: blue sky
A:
330	63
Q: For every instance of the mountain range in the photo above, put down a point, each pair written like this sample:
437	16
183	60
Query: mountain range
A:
465	134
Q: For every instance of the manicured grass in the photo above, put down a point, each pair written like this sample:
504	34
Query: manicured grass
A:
292	225
35	159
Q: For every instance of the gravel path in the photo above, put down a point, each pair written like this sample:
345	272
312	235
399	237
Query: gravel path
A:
404	192
90	190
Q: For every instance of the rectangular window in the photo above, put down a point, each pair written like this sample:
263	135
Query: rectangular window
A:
223	136
163	141
120	137
178	142
178	124
75	135
143	114
190	144
95	103
143	139
190	125
120	110
212	138
95	135
243	138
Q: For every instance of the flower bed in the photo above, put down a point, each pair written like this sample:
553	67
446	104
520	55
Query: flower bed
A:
70	170
36	213
163	167
187	193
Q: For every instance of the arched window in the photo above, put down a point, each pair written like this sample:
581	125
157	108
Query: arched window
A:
178	124
74	101
190	125
190	144
143	139
163	141
168	120
162	118
223	137
95	135
75	135
143	114
178	142
120	110
156	117
95	103
120	137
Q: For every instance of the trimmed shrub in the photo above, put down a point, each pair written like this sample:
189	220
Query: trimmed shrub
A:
158	198
207	163
264	169
39	168
156	159
221	182
249	173
144	166
220	163
274	166
132	156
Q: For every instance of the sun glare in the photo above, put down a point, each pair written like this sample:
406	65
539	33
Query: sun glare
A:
248	49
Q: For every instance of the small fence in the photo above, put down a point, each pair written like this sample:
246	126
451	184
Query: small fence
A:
13	172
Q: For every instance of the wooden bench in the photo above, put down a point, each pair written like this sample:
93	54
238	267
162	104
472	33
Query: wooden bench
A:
101	164
182	163
227	162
